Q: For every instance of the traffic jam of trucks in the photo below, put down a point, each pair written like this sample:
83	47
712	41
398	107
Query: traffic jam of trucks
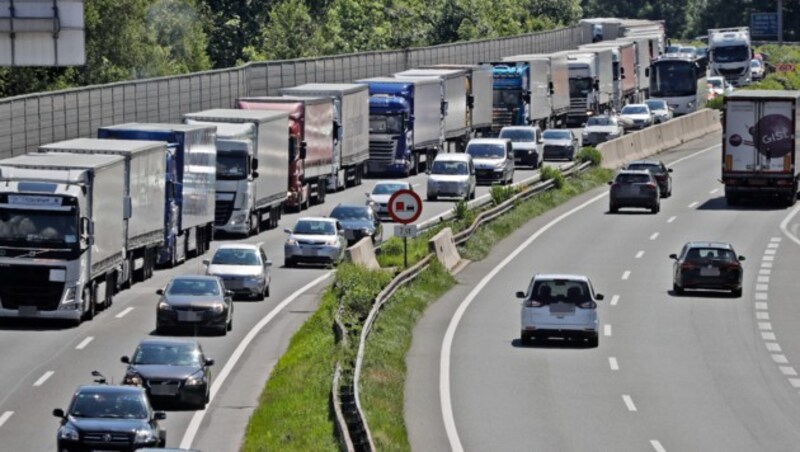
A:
83	219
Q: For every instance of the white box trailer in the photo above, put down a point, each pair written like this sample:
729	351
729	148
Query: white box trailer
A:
643	58
145	193
480	78
556	67
61	224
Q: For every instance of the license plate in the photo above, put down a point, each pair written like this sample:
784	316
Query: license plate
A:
709	271
309	252
28	311
189	316
163	390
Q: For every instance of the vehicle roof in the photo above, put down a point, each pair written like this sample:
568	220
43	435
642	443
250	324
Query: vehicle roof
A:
325	219
556	130
234	115
452	157
635	105
519	128
763	93
168	342
644	162
202	277
101	145
630	171
227	246
62	161
698	244
111	388
351	206
569	277
488	141
386	182
326	88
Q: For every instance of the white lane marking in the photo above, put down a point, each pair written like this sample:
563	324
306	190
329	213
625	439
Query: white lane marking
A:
447	343
84	343
785	227
775	239
654	236
766	265
713	191
764	287
626	275
124	312
761	296
773	245
5	417
788	371
671	219
629	402
44	378
639	254
614	300
197	418
764	271
768	336
773	347
770	252
766	326
612	363
693	204
762	315
606	330
768	258
763	279
761	305
795	382
780	359
657	445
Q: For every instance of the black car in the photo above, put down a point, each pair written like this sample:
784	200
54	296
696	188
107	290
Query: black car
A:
196	301
358	221
634	189
171	370
660	172
109	417
707	265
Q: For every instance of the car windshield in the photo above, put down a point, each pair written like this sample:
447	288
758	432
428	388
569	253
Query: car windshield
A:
689	50
388	188
485	151
449	168
755	63
109	405
653	168
699	254
560	290
673	49
235	256
715	82
167	355
518	135
351	213
656	104
195	287
601	121
632	178
556	135
631	110
309	227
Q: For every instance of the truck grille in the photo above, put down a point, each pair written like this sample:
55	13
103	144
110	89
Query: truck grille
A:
382	151
222	212
107	438
502	117
25	285
730	72
578	106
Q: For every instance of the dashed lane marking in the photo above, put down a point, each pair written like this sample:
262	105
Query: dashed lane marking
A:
44	378
779	358
607	330
761	305
639	254
626	275
5	417
629	402
654	236
671	219
124	312
657	445
612	362
84	343
788	371
773	347
692	205
614	300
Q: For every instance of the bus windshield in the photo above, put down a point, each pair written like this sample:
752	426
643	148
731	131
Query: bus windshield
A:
673	79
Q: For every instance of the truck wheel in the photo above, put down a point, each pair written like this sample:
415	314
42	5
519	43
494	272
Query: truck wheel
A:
255	224
415	164
790	199
88	302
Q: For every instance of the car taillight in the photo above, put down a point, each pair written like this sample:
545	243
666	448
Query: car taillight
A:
587	305
731	266
615	186
651	186
688	266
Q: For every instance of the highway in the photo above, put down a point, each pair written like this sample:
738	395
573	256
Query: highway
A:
43	363
702	371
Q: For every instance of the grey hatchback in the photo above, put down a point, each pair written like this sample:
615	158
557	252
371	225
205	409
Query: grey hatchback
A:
634	189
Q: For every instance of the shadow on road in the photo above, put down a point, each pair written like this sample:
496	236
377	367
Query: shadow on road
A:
553	343
747	204
11	324
702	293
631	212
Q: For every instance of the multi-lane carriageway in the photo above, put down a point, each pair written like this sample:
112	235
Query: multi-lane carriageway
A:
697	372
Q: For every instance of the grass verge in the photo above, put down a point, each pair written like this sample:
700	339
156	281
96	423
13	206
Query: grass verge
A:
384	372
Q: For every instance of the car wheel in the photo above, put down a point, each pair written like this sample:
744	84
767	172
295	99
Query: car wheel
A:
613	209
656	208
472	195
736	293
677	289
288	263
525	338
229	325
431	198
593	340
266	291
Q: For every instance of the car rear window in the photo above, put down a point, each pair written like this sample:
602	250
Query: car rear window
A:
566	291
633	178
652	167
700	254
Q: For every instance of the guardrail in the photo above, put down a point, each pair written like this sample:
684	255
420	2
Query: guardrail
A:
359	438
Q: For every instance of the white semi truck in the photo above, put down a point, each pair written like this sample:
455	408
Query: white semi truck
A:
730	52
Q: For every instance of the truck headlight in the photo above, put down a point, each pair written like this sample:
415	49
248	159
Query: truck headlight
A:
69	295
69	433
144	436
238	218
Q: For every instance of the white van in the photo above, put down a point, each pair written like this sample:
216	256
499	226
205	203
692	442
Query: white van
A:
452	175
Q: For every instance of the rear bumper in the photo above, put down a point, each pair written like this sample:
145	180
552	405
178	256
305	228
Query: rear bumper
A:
634	202
733	282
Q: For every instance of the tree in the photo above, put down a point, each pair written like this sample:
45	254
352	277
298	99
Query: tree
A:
291	33
673	12
234	25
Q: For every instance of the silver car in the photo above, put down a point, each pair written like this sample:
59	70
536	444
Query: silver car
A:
660	109
243	268
453	175
559	144
378	198
525	141
315	241
601	128
493	159
636	116
559	305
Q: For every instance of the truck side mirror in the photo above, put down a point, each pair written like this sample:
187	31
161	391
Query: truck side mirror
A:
303	149
596	85
647	72
87	230
337	131
444	108
550	87
255	174
526	96
255	166
292	147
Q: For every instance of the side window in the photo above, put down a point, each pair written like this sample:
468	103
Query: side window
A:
263	255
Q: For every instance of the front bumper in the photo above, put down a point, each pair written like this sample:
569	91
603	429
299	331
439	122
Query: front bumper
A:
556	152
203	319
526	157
388	169
316	254
244	285
237	224
642	201
453	189
489	176
175	391
86	446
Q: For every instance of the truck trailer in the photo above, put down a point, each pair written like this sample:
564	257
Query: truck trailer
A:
556	67
61	234
191	157
252	178
624	61
480	79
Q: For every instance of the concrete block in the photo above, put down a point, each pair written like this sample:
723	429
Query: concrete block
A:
363	253
445	248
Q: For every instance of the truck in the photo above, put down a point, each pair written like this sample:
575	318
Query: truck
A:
191	156
454	107
642	64
351	135
521	94
591	83
611	28
144	195
556	66
406	126
760	138
730	52
310	150
479	99
252	175
62	247
624	62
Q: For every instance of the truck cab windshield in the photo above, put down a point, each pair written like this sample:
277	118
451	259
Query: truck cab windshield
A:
506	98
38	228
232	166
386	124
580	87
731	54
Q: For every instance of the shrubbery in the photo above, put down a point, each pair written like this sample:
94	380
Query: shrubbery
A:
500	193
590	154
549	172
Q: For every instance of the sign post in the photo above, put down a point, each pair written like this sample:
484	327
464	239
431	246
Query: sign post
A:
405	207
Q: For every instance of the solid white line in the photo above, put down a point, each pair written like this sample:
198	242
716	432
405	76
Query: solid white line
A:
773	347
766	326
762	315
606	330
654	236
44	378
84	343
626	275
763	279
629	402
614	300
770	251
447	342
773	245
764	271
639	254
693	204
4	418
713	191
788	371
124	312
780	359
762	305
671	219
768	336
657	446
197	418
612	362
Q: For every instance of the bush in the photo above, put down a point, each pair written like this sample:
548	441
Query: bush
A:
356	287
461	210
716	103
590	154
501	194
548	172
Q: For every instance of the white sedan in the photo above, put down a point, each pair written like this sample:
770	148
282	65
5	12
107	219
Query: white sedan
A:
636	116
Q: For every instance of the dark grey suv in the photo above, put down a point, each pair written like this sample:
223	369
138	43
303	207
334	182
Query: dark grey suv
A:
659	171
634	189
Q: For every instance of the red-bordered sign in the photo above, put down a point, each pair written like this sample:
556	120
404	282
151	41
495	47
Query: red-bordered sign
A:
405	206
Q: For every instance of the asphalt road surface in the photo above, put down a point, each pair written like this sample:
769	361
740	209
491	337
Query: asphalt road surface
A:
702	371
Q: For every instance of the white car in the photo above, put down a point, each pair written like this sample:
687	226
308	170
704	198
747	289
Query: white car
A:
315	241
636	116
561	306
243	268
718	86
493	159
660	109
601	128
559	144
378	198
453	175
525	141
756	69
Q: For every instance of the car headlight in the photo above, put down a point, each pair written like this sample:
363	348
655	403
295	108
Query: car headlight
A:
690	104
195	380
291	242
332	242
132	380
254	279
69	433
164	306
366	231
144	436
218	307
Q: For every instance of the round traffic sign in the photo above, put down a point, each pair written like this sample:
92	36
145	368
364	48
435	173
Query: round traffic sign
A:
405	206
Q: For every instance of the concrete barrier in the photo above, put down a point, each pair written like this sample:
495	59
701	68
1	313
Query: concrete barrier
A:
655	139
445	248
363	253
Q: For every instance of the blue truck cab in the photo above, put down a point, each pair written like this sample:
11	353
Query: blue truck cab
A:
510	95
